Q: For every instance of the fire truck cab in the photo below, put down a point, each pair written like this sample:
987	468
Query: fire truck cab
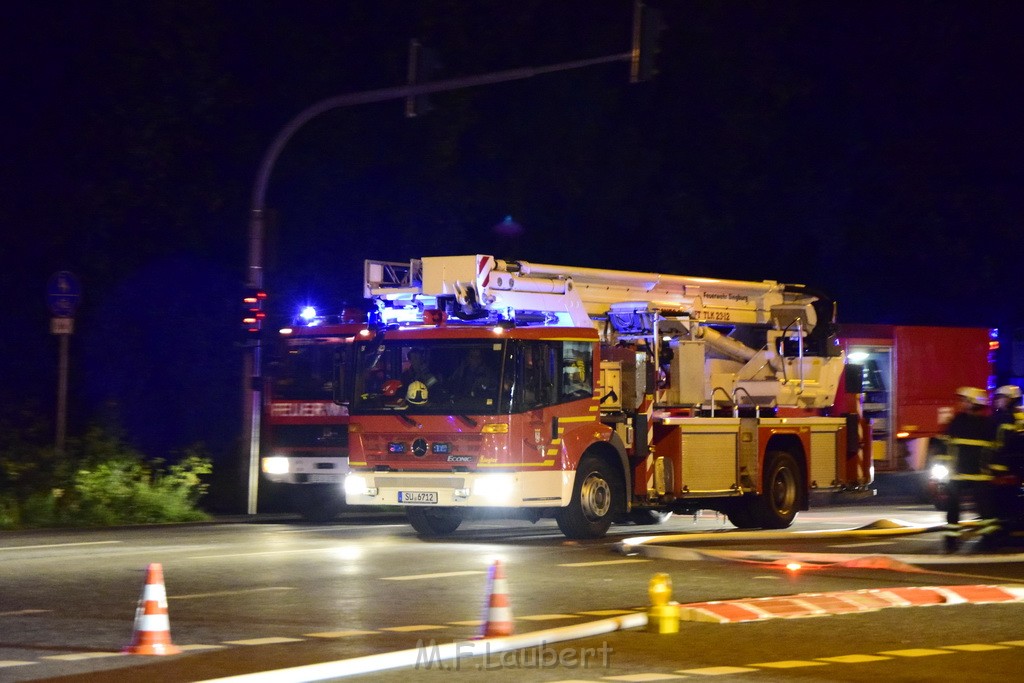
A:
305	412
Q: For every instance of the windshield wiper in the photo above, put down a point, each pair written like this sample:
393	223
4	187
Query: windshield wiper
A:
407	420
468	420
402	416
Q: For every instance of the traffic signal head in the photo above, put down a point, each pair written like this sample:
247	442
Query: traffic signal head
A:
424	66
252	310
648	25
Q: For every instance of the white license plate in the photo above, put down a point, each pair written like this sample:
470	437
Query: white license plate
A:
418	497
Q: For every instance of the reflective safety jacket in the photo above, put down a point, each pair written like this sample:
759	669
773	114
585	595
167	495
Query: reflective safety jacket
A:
1009	456
970	439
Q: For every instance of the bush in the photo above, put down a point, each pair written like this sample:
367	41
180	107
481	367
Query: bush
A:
99	481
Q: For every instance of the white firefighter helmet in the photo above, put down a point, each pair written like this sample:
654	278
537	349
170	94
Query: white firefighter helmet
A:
1010	391
975	396
416	394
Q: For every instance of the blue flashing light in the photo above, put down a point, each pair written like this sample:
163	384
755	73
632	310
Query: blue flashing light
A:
308	313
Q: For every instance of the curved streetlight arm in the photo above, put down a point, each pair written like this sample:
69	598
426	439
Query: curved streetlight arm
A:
254	371
259	189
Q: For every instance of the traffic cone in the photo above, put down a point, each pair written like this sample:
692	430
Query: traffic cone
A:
152	624
497	612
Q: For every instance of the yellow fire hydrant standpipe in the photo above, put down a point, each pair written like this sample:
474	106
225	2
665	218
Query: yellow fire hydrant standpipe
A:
663	617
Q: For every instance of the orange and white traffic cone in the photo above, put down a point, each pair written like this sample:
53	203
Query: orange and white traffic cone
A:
152	623
497	612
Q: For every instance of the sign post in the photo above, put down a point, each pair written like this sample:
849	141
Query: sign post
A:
62	295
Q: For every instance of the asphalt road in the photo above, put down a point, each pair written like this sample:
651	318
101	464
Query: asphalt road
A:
276	593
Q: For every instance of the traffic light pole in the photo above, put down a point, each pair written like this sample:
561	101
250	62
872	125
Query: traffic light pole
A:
253	365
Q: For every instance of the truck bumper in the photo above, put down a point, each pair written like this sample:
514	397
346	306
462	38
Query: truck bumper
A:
295	470
460	489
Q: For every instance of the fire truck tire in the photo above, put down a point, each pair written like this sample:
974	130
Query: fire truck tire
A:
433	522
777	505
318	502
596	500
740	514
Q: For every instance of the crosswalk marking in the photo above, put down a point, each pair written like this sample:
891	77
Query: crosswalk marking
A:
788	664
717	670
263	641
853	659
976	647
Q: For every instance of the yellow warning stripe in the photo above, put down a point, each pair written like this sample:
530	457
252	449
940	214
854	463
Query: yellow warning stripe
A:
971	442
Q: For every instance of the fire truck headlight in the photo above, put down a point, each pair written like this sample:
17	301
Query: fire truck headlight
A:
496	488
939	472
355	485
275	465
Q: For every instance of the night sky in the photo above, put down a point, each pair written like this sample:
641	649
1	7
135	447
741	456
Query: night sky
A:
870	149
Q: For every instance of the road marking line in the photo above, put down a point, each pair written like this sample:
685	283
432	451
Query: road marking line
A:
916	652
639	678
201	646
193	596
83	655
788	664
4	663
59	545
439	575
853	659
602	563
263	641
269	552
608	612
339	634
23	612
548	617
976	647
1014	643
717	670
410	629
471	622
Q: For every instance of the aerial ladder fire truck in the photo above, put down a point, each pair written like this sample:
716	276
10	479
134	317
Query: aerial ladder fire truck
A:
595	396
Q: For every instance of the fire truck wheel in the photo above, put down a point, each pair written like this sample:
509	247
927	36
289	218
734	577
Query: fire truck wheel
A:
776	507
740	514
433	522
596	498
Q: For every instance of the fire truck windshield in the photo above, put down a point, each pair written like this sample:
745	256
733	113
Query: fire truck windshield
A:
429	376
469	376
303	370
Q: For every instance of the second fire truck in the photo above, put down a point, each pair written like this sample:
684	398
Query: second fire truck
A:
305	421
593	396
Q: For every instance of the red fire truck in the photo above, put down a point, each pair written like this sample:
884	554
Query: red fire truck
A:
305	421
910	376
593	396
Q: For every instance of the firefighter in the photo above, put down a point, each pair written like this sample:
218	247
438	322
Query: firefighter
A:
473	378
1007	467
970	438
418	378
1006	403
